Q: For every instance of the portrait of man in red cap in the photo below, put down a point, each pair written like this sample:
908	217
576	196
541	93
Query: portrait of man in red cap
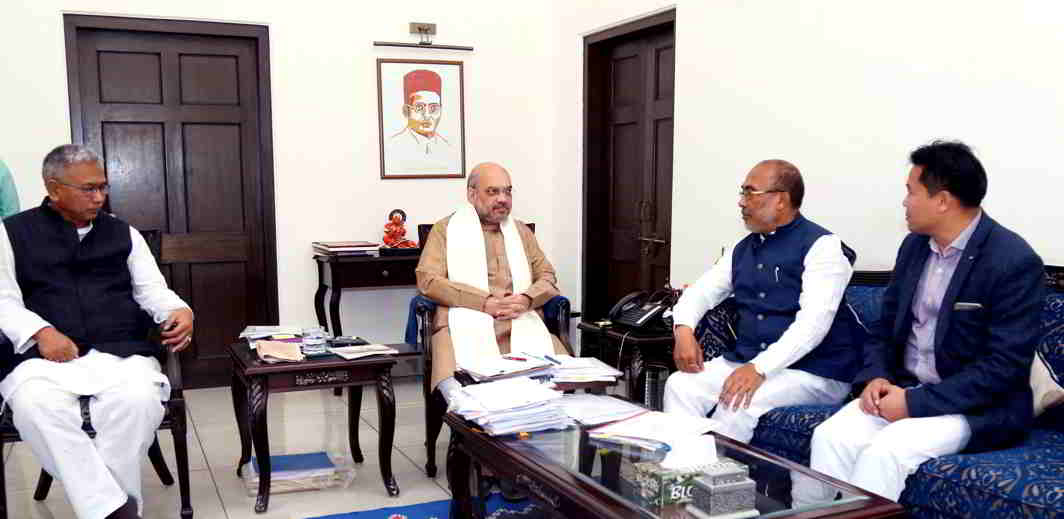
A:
419	147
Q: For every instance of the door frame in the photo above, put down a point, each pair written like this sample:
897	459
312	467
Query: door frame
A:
261	35
595	186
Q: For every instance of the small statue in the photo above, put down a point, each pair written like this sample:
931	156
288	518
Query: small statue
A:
394	231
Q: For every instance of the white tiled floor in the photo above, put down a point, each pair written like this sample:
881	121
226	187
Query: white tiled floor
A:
298	422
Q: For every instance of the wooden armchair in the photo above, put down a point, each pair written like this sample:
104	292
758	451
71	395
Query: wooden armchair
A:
174	419
557	316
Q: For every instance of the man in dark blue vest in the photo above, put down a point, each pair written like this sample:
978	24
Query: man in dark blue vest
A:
79	294
794	345
948	369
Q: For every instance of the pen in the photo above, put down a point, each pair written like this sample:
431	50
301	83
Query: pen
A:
552	359
522	359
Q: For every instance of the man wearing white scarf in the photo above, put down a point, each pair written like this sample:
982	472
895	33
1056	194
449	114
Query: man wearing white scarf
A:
489	276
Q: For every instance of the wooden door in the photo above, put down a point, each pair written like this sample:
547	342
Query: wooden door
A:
628	168
178	120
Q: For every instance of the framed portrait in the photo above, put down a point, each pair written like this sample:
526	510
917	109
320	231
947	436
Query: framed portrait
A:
421	110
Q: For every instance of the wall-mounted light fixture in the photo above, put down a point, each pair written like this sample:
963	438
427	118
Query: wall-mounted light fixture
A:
424	32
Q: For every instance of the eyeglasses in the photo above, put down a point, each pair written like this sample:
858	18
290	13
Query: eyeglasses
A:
746	192
421	108
103	189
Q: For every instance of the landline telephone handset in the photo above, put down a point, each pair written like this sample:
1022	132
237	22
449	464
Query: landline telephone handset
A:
642	310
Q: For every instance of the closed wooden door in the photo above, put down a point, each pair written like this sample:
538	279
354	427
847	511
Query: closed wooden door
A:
177	119
629	175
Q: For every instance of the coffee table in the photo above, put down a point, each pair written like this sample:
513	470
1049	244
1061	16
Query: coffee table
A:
254	380
560	472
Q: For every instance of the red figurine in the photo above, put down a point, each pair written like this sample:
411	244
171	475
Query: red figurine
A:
394	231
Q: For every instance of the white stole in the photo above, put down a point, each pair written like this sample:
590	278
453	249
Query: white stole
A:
473	331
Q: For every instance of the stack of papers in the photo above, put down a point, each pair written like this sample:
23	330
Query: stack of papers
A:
654	430
512	405
598	409
260	332
571	369
506	366
364	350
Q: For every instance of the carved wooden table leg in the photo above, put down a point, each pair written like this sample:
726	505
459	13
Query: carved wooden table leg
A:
319	297
386	417
459	473
354	411
240	407
334	308
258	396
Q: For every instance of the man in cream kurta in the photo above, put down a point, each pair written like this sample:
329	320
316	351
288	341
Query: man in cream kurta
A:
490	193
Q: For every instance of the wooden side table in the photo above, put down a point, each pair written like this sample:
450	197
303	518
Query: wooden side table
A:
358	272
254	380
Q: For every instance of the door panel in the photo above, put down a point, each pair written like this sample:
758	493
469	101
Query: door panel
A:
177	119
628	165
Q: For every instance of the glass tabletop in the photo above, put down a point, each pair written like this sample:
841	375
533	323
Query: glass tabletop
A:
635	475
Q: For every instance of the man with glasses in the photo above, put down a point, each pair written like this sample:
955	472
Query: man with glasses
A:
794	343
948	369
79	294
419	147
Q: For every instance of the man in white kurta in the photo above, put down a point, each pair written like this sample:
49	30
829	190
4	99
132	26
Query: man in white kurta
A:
54	363
793	344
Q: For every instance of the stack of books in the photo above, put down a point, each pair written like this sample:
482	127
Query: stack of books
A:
510	406
297	472
345	248
486	369
571	369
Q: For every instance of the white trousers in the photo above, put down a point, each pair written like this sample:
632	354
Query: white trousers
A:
874	454
696	394
99	475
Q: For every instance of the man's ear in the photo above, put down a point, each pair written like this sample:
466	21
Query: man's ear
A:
471	194
53	190
406	111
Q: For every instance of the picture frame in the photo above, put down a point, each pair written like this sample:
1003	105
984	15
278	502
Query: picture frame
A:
421	118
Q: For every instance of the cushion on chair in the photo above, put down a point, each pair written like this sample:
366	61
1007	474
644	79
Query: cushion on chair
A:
716	330
787	431
1047	370
1021	482
866	302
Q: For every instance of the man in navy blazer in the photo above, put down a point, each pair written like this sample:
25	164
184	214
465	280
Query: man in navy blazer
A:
948	369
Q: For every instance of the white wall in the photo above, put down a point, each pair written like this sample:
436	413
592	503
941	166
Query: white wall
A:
846	90
323	76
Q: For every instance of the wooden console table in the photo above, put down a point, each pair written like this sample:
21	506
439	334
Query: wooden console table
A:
358	272
254	380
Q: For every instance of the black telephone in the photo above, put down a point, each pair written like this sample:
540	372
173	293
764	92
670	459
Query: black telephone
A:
641	310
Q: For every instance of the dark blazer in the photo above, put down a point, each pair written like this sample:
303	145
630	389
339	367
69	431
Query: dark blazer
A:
984	349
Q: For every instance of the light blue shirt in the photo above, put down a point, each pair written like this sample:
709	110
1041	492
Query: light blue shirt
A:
8	194
927	302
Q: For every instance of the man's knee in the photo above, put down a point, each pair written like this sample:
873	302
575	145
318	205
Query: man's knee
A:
40	400
680	383
137	398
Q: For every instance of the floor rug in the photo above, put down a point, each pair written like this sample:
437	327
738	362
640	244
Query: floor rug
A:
496	506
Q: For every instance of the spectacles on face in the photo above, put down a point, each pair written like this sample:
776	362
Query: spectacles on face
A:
496	191
103	189
422	108
748	192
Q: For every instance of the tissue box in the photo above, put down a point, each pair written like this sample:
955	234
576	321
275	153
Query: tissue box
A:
726	488
655	487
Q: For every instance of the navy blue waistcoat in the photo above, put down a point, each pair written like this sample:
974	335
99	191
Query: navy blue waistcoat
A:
767	280
83	288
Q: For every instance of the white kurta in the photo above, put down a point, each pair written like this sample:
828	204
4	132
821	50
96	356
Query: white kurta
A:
827	271
126	408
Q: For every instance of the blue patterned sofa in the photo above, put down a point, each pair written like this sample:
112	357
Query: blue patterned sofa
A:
1025	481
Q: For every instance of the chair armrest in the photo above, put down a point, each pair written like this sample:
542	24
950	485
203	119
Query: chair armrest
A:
557	313
173	372
424	315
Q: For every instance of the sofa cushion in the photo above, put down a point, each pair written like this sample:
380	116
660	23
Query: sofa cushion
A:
1047	370
787	431
1024	481
866	301
716	330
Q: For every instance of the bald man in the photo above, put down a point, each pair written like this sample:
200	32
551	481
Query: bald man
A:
794	345
490	278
